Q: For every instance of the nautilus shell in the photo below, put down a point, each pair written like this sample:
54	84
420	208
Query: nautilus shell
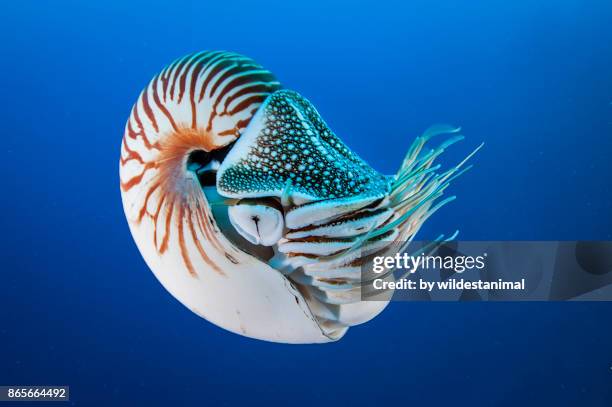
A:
251	212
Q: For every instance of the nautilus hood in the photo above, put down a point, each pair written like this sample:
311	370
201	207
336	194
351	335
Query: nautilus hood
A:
288	145
288	150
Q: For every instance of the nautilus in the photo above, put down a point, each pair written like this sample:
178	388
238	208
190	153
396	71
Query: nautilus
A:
251	212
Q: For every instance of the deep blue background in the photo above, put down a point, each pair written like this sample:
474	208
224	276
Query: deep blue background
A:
78	306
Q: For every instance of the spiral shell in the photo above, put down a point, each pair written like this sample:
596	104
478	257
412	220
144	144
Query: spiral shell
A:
248	208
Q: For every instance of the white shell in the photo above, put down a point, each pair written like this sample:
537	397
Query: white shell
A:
250	298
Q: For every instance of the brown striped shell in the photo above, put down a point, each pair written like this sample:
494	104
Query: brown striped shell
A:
199	102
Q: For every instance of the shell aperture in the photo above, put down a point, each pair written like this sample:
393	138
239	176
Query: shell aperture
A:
251	212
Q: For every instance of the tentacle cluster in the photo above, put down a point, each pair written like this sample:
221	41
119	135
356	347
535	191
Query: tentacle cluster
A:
327	256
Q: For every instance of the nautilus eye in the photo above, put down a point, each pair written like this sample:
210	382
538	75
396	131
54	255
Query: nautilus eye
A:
257	223
252	212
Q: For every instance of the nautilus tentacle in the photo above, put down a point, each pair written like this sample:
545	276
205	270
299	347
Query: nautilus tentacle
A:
251	211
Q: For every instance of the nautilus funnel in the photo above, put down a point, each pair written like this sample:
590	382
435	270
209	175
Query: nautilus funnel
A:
251	211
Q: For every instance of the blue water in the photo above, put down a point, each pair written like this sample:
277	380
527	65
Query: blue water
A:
532	79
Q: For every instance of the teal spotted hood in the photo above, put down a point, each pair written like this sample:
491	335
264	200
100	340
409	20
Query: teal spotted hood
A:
288	148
